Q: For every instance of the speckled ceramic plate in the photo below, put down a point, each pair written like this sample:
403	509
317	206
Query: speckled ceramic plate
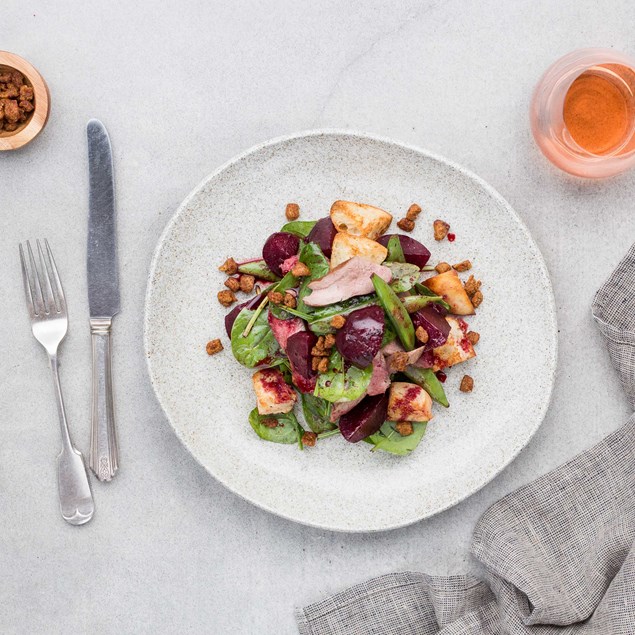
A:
338	485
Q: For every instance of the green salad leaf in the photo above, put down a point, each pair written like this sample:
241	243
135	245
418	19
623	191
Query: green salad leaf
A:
389	440
288	429
405	275
301	228
395	252
338	384
316	413
311	255
259	269
258	345
401	269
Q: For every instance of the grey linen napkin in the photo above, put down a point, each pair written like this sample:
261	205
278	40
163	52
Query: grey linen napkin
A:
559	553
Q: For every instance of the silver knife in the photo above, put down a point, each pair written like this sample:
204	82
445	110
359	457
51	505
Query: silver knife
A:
103	298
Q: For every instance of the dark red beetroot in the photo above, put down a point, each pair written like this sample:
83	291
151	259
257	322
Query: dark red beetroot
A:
278	248
230	318
365	418
299	352
414	252
322	234
359	340
432	318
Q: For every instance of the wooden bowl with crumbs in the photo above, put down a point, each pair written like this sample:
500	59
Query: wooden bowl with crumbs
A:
24	102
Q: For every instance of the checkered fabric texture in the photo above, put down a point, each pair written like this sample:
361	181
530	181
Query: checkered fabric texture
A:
559	552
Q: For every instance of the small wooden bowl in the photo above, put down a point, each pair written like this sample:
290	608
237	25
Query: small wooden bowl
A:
32	127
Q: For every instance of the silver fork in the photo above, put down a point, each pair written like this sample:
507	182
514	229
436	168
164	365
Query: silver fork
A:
49	322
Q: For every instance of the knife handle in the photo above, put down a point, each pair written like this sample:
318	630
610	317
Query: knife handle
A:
104	452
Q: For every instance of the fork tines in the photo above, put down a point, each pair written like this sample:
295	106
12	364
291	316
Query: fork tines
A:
42	286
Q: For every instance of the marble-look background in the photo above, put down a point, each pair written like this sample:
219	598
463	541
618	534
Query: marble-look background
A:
182	87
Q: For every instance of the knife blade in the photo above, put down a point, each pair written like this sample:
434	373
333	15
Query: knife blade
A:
103	298
103	274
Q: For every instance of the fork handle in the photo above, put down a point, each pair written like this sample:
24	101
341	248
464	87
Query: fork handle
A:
104	452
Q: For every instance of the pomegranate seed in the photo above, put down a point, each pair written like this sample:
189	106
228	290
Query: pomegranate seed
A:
441	376
451	237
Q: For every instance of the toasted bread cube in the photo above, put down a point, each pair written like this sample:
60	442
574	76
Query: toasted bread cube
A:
449	286
408	402
345	246
273	395
457	349
359	219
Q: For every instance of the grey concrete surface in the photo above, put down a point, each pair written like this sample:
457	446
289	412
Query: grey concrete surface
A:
182	87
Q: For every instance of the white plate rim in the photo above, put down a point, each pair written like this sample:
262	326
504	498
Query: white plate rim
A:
551	305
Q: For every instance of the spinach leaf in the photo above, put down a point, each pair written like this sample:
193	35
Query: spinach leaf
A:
336	361
301	228
405	276
288	429
316	412
400	269
259	269
389	440
311	255
259	344
338	384
395	252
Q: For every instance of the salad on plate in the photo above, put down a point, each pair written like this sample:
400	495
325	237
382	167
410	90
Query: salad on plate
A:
350	325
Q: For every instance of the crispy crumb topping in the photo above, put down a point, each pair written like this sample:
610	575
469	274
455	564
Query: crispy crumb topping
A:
338	321
441	229
465	265
247	283
404	428
309	439
229	267
406	224
214	346
226	297
473	337
292	211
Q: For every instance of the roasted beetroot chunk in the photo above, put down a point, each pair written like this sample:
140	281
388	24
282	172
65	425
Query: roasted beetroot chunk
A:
414	252
230	318
431	317
359	340
278	248
365	418
322	234
299	348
